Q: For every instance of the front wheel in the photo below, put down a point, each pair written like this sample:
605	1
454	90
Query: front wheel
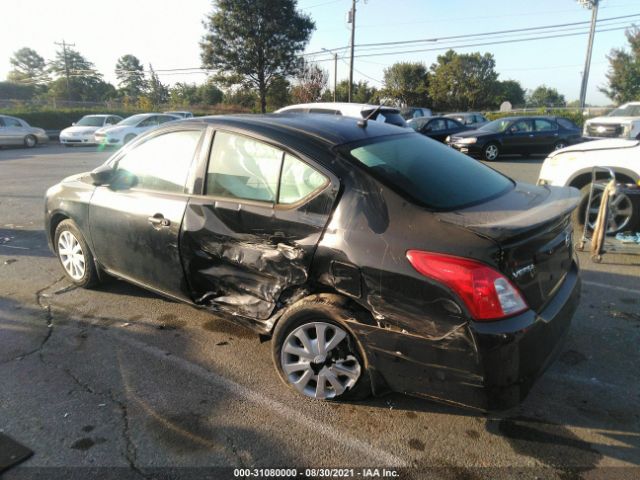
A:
316	355
491	152
30	141
560	144
623	213
74	255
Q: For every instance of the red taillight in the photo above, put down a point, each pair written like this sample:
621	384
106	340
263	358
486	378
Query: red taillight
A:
488	294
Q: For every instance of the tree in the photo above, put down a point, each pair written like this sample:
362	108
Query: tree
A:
17	91
77	79
407	83
311	81
157	92
509	91
463	81
623	76
544	96
183	94
209	93
278	95
256	40
28	67
130	75
362	92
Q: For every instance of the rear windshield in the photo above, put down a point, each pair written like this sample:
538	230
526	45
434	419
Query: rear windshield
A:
428	172
386	116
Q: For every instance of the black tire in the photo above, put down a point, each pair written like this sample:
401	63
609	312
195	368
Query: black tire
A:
578	215
90	276
30	141
128	138
326	309
560	144
491	152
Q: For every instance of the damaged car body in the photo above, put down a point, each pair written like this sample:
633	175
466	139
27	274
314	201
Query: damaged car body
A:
374	258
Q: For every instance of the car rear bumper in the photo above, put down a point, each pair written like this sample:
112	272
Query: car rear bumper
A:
481	365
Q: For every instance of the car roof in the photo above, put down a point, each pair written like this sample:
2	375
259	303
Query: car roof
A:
330	129
348	108
101	115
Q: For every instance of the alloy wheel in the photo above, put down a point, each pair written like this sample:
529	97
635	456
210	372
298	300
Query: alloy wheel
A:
318	361
491	152
71	255
620	212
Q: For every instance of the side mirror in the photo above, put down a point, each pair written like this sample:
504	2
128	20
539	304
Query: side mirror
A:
103	175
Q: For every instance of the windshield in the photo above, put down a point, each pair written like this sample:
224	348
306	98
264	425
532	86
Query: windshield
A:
428	172
133	119
90	121
626	111
496	126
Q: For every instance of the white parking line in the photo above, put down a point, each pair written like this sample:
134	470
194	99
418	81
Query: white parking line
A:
612	287
332	434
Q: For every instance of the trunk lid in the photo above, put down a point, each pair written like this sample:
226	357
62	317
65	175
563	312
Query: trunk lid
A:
532	226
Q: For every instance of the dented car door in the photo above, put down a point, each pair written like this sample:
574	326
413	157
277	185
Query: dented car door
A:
248	241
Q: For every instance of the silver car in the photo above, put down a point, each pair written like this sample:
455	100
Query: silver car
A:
15	131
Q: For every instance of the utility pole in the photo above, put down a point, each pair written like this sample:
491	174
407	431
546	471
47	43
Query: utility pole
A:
335	72
67	72
593	6
352	19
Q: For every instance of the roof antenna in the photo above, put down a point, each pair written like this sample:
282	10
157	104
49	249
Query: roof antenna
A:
363	122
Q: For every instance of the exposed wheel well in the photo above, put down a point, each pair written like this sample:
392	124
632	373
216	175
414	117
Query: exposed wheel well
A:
585	178
55	221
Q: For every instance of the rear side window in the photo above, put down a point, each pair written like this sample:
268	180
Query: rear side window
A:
162	162
543	125
326	111
299	180
243	168
429	173
11	122
568	124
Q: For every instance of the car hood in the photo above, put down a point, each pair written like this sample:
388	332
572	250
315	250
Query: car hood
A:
113	129
614	120
79	129
608	144
470	132
523	209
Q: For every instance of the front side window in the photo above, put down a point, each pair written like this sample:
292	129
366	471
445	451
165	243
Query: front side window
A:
12	122
162	162
243	168
437	125
299	180
415	167
521	126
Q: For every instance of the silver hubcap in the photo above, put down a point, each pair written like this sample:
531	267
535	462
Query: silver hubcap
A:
30	141
318	362
560	145
491	152
620	212
71	255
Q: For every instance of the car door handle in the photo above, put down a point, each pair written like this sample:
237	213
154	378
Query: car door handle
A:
531	135
158	221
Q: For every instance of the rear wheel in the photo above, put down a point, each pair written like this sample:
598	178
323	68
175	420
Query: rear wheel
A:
128	138
623	212
491	152
30	141
316	355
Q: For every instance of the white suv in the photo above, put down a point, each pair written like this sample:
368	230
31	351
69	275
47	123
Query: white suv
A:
572	167
623	122
356	110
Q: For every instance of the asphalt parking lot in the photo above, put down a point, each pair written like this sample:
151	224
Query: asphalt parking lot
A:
120	380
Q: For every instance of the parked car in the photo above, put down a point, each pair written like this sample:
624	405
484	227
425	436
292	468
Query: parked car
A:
572	167
623	122
181	113
469	119
82	132
15	131
129	128
438	128
372	256
355	110
415	112
521	135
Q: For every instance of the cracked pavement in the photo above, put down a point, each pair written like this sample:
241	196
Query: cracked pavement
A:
120	380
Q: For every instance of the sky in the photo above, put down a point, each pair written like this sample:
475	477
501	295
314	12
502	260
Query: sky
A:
166	34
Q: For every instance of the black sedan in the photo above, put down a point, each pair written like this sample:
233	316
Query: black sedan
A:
438	128
374	258
520	135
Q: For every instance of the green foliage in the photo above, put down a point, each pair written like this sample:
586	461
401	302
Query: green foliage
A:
463	81
28	67
407	83
278	94
157	91
509	91
209	93
130	75
77	78
544	96
362	93
256	40
576	116
624	71
311	81
17	91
